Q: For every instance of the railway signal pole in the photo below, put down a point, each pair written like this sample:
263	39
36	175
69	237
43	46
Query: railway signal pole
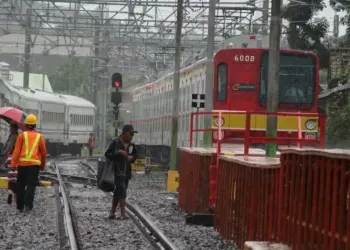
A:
274	75
116	98
175	108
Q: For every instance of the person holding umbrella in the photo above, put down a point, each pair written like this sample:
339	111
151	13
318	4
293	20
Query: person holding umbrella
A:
29	157
10	143
6	153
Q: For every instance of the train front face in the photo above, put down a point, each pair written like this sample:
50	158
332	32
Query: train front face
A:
241	77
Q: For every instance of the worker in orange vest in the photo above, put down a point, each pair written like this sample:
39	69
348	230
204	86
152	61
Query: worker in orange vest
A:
29	157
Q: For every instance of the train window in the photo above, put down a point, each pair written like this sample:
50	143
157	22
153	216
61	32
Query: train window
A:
222	82
297	78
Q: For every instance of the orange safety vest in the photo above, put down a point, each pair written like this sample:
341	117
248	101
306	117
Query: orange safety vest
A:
30	149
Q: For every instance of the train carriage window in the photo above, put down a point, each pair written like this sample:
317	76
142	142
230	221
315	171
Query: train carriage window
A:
222	82
297	79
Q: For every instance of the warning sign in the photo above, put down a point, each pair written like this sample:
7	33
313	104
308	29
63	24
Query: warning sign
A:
139	165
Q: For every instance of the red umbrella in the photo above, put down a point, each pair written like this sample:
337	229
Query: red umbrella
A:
11	114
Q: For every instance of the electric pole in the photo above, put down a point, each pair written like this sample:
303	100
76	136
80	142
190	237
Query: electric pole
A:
265	17
175	110
28	44
95	63
273	75
209	74
71	77
105	81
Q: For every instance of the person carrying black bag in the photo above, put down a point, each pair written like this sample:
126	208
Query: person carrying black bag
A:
122	152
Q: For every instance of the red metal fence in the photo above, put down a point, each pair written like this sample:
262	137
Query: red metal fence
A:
304	203
302	200
194	179
250	139
314	199
246	198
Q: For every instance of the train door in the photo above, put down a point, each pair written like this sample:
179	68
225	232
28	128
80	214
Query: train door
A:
223	96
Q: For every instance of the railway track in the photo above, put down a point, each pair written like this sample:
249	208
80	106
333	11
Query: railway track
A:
68	227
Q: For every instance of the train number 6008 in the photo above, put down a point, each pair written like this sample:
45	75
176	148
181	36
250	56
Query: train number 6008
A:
243	58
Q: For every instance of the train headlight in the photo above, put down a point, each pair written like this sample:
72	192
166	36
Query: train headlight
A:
310	124
218	121
216	135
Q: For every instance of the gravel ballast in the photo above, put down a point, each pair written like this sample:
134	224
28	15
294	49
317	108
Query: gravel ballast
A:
29	230
149	193
91	207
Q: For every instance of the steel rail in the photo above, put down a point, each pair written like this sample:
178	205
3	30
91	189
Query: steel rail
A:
132	210
67	213
48	175
165	242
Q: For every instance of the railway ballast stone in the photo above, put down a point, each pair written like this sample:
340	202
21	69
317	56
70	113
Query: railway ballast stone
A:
29	230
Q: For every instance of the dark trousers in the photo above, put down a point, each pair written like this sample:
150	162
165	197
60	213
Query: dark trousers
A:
120	187
90	151
26	184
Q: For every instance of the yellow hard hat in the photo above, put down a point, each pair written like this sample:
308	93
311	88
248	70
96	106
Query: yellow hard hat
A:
30	119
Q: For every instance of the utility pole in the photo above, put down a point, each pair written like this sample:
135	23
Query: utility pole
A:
209	75
28	44
265	17
71	77
105	82
95	63
273	75
175	111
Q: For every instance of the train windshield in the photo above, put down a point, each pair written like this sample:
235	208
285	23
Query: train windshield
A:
297	79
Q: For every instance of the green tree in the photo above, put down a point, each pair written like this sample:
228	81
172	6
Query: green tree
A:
337	129
77	73
305	32
343	6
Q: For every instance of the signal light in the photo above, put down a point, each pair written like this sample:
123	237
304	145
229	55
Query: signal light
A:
117	80
116	98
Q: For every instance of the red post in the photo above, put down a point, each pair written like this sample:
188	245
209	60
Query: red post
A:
219	135
191	130
299	131
322	129
247	134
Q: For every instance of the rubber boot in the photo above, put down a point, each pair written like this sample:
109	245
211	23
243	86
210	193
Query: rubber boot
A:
9	199
122	209
113	209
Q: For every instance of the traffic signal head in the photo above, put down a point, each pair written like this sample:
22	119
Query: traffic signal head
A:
116	97
117	80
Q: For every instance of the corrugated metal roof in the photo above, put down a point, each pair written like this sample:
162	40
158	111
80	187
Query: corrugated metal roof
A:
36	81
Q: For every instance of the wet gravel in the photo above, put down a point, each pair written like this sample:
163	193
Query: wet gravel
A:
149	193
29	230
73	168
96	230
